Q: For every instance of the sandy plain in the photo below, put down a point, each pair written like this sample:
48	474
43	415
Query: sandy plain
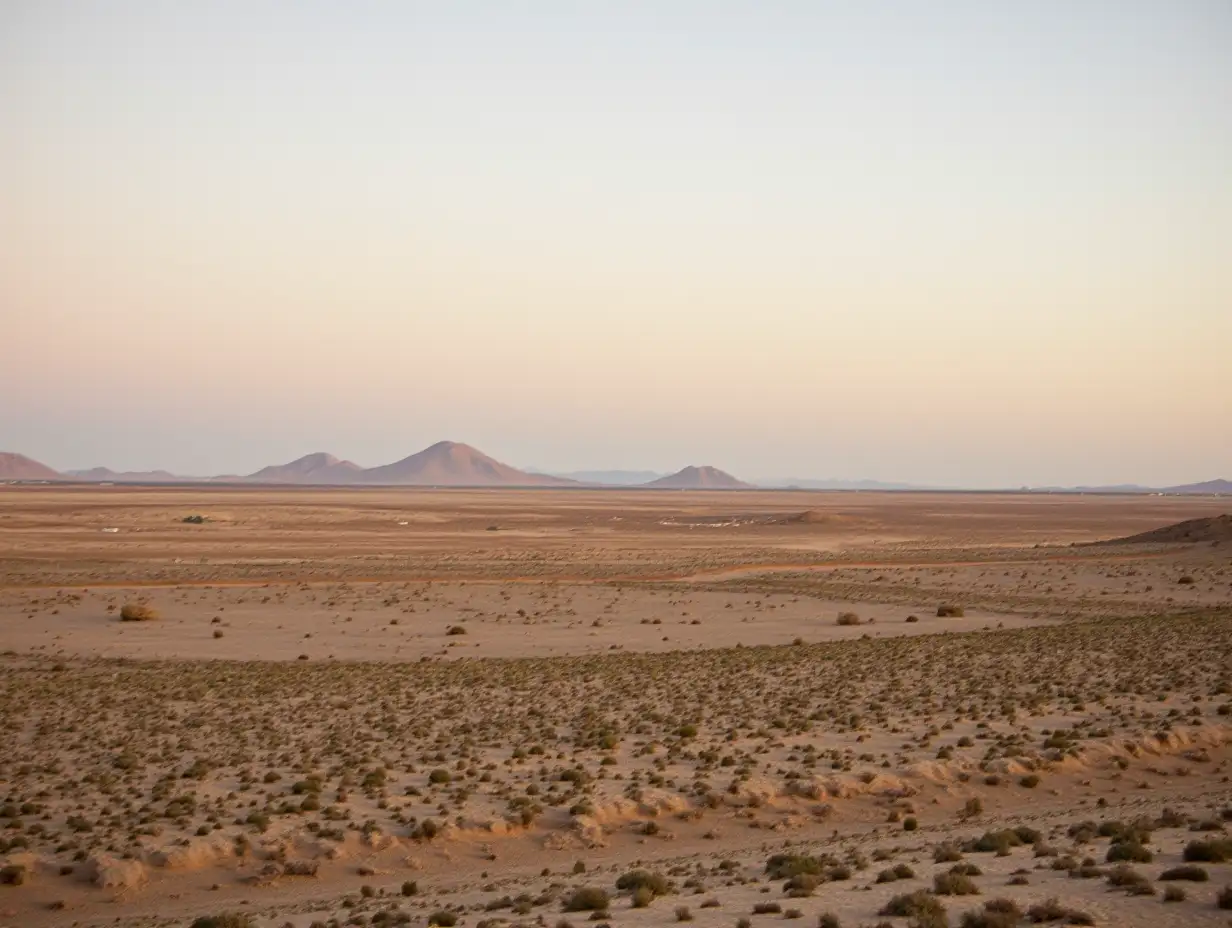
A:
385	707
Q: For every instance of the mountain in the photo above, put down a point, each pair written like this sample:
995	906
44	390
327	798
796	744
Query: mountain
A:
316	468
1209	486
698	478
19	467
107	475
613	478
452	464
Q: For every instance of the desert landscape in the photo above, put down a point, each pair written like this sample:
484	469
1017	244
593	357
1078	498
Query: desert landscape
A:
306	706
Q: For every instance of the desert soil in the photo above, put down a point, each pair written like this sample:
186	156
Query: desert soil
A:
382	707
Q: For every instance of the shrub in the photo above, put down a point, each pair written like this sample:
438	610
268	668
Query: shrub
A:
137	612
12	875
946	612
587	899
642	897
456	630
443	918
1052	911
848	618
911	823
229	920
644	879
897	872
783	866
1191	873
1174	894
440	776
767	908
802	884
1212	851
1030	781
1224	899
683	914
1129	850
1126	877
914	905
954	884
828	920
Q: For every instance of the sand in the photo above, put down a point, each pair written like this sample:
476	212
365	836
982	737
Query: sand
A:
522	693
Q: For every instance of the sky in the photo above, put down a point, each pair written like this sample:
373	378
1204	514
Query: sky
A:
960	243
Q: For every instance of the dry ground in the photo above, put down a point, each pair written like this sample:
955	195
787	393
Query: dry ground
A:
632	677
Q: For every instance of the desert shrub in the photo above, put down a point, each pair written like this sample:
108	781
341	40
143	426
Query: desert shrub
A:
989	919
443	918
802	884
912	618
194	520
946	612
12	875
1051	910
683	914
642	897
911	823
1209	851
767	908
848	618
1189	872
913	905
783	866
828	920
137	612
227	920
456	630
946	854
643	879
1000	842
954	884
1224	899
897	872
587	899
1174	894
1126	877
1030	781
1129	851
440	776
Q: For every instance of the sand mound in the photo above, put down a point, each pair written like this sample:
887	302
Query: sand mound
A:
108	872
195	855
1212	528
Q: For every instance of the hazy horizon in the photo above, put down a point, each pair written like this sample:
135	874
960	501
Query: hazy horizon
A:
954	244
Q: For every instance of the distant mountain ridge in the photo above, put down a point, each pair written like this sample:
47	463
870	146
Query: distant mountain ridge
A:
107	475
318	467
698	478
453	464
15	466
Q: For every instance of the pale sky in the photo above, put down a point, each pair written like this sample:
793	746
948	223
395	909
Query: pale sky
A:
960	243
